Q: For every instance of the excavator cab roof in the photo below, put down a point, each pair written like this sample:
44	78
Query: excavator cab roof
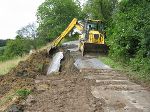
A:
90	20
96	25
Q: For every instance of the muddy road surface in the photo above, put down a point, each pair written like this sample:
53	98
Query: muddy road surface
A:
85	84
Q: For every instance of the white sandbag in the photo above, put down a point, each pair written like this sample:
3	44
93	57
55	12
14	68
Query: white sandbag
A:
55	64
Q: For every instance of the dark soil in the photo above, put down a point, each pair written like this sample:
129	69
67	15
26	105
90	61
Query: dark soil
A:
22	77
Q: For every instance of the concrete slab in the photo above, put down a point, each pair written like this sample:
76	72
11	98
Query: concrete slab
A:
90	63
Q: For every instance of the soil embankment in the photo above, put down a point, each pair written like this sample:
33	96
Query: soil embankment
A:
22	77
73	90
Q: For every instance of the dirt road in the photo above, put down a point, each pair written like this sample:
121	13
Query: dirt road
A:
89	89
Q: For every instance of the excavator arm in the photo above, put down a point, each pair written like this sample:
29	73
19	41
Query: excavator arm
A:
74	23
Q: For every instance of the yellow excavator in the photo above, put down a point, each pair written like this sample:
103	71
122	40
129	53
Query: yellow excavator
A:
91	38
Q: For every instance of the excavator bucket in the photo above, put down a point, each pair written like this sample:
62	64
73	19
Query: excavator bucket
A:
51	50
95	48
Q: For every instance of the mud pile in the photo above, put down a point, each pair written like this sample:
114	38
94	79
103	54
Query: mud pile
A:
22	76
35	65
67	65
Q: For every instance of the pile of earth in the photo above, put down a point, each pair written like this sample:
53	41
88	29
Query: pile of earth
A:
27	72
22	77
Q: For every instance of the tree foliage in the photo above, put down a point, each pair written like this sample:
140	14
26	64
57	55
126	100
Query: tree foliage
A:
100	9
128	34
128	26
2	42
29	31
17	47
55	15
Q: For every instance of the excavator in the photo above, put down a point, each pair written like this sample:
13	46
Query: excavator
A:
91	38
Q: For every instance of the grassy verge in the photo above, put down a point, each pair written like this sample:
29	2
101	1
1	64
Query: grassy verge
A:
136	76
111	63
6	66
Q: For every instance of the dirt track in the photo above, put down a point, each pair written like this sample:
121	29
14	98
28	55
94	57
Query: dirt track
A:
91	90
87	91
68	91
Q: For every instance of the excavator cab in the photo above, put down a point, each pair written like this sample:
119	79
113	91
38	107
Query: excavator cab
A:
94	25
92	38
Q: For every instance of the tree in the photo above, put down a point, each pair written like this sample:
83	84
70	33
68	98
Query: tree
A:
55	15
129	36
2	42
17	47
29	32
100	9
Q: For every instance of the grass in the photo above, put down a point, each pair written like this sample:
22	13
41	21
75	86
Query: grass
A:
11	97
7	98
137	76
23	93
108	61
6	66
119	66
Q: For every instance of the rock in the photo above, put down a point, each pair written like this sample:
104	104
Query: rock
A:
30	100
42	87
15	108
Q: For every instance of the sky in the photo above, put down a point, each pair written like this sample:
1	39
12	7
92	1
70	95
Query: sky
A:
15	14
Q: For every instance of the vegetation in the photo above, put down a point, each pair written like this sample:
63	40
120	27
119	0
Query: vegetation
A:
13	96
7	98
17	47
99	9
129	36
6	66
55	15
23	93
110	62
128	25
2	43
2	50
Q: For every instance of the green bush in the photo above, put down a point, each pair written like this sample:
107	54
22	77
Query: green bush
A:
17	47
2	50
129	36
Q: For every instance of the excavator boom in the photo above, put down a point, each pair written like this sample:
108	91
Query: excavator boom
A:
63	34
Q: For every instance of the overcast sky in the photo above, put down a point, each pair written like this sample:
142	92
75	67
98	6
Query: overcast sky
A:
14	14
